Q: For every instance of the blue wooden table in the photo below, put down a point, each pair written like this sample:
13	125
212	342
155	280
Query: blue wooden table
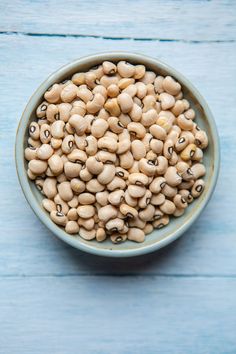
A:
55	299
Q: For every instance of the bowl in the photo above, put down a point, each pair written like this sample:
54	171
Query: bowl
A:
177	226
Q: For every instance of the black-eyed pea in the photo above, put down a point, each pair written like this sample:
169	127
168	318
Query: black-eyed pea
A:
126	160
91	79
128	211
113	107
131	90
71	169
125	102
151	156
141	90
41	109
85	175
115	225
96	104
115	125
30	153
185	193
37	167
50	187
99	127
79	124
130	200
107	80
112	135
136	235
139	179
149	117
78	79
161	165
116	183
93	186
167	100
171	86
72	214
190	114
136	129
84	93
180	202
56	143
125	118
100	234
186	184
168	149
174	159
136	191
107	174
44	152
147	214
49	172
168	207
158	132
125	82
151	90
107	212
65	191
157	185
158	214
118	238
178	108
136	222
69	129
86	198
94	166
56	164
188	136
86	211
148	103
39	182
158	199
48	205
164	122
102	197
123	146
187	174
179	212
156	146
52	113
172	177
139	72
125	69
184	123
148	228
148	78
80	141
73	203
169	191
57	129
201	139
198	155
91	145
135	113
45	134
34	131
198	170
61	205
34	143
101	90
188	152
78	107
163	221
58	217
121	172
52	95
77	185
109	68
61	178
197	188
106	157
88	224
72	227
148	167
158	84
147	141
145	200
69	92
181	143
134	168
68	144
138	149
87	234
116	197
77	156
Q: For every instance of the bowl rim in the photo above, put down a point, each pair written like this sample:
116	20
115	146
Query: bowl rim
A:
25	184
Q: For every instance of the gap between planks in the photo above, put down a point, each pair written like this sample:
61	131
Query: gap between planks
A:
151	39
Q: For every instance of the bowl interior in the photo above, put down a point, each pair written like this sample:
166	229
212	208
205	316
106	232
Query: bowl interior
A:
158	238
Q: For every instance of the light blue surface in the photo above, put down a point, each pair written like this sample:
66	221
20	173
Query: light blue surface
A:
54	299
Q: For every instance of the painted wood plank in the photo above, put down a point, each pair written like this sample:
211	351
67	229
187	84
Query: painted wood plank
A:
180	20
27	248
117	315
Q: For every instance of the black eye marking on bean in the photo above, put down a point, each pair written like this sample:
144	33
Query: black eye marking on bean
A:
43	107
162	185
47	133
120	174
57	116
170	150
157	217
183	200
86	143
64	81
199	188
118	239
59	214
181	140
32	129
129	215
160	226
148	200
39	187
120	125
32	147
97	81
198	128
198	142
138	183
59	208
108	162
192	153
70	144
150	162
189	171
114	229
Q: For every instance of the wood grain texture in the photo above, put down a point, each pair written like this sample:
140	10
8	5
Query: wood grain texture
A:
167	20
138	315
55	299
